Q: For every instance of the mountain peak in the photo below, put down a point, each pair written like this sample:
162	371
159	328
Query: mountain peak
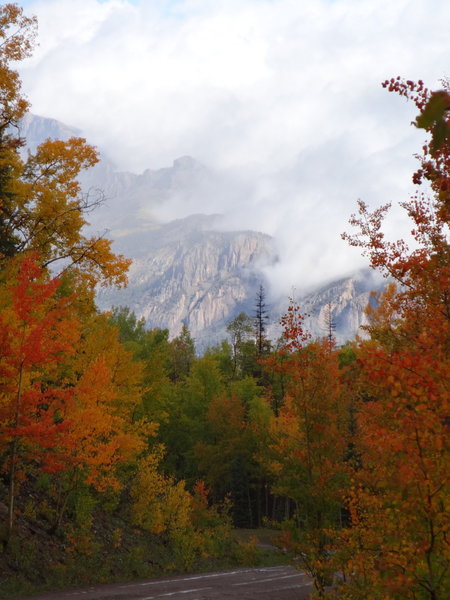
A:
186	163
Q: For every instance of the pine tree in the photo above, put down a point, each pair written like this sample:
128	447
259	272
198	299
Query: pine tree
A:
260	319
329	324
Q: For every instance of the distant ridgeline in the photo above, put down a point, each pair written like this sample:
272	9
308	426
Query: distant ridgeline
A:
188	271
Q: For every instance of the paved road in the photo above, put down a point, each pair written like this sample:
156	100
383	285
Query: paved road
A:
265	583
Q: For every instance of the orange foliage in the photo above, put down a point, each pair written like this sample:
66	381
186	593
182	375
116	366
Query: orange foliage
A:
107	392
309	439
37	332
42	208
403	423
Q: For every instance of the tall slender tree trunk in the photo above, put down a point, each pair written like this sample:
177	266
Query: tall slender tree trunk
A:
274	508
266	500
250	511
287	508
258	504
13	460
60	513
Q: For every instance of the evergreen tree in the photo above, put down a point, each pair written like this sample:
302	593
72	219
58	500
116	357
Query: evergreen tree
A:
329	324
182	354
261	318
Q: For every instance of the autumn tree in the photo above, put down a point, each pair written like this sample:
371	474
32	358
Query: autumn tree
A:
402	425
185	520
108	393
42	219
42	207
309	438
17	33
37	332
84	395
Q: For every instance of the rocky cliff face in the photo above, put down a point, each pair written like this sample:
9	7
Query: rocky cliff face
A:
342	302
189	273
194	275
188	270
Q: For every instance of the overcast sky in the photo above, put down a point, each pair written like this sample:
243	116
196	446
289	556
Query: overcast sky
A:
284	95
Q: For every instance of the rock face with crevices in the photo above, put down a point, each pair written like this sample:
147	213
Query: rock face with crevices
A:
345	300
189	270
189	273
193	275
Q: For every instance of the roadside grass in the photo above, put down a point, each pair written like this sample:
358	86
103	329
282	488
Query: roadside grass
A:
132	562
248	548
264	535
259	547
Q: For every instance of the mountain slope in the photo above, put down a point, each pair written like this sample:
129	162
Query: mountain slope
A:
345	301
189	270
189	273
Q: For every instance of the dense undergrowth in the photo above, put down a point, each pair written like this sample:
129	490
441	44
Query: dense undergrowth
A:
111	550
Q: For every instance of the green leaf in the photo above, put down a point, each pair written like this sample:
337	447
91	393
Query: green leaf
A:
434	110
441	132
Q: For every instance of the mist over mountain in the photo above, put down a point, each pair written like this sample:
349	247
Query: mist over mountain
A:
198	269
188	272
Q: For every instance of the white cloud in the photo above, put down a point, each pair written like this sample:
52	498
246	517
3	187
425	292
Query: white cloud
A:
286	93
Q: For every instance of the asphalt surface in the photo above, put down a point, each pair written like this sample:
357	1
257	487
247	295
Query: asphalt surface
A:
265	583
